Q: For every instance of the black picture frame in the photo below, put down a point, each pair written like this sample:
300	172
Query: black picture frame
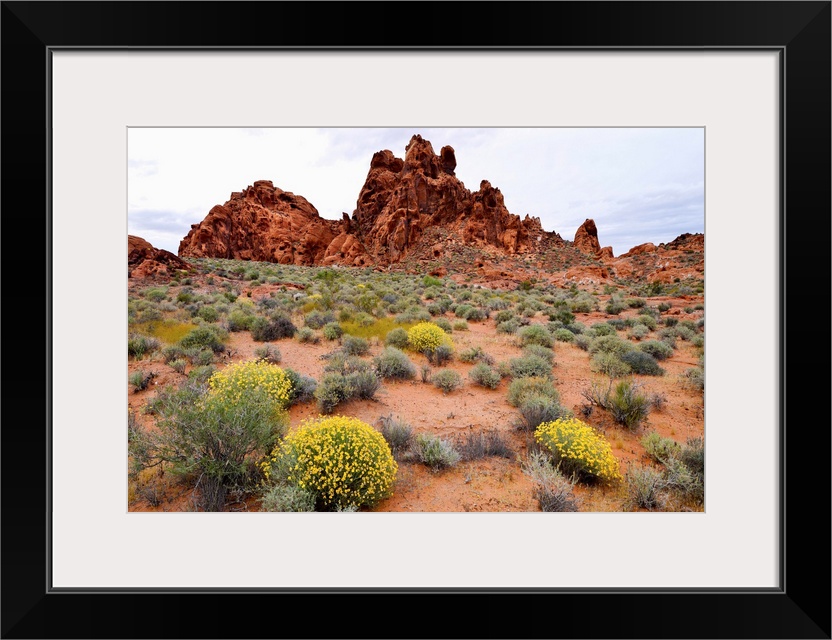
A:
799	31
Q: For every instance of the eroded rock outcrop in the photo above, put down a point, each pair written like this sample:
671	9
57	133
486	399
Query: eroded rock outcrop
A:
400	199
586	239
144	261
267	224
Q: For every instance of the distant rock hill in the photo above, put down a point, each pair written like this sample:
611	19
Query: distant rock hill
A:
412	212
144	261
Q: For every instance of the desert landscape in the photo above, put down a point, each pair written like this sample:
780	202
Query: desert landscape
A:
429	352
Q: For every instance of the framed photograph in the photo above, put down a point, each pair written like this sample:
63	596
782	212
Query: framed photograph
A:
80	79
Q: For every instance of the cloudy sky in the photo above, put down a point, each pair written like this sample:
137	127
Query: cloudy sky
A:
639	185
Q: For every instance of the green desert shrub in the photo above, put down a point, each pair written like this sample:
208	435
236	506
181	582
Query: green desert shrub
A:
522	388
542	352
475	354
659	349
444	324
394	363
609	344
509	326
644	320
363	384
435	452
208	313
397	433
288	498
447	380
561	314
440	355
140	345
269	353
396	338
199	356
303	387
553	491
240	320
619	324
660	449
579	450
583	303
140	380
693	378
332	331
460	325
317	319
268	330
179	365
340	362
529	366
156	294
583	341
536	409
355	346
615	306
476	315
342	460
642	363
609	364
693	456
627	404
201	374
645	487
564	335
209	337
638	332
210	438
683	481
485	376
333	389
305	335
173	352
535	334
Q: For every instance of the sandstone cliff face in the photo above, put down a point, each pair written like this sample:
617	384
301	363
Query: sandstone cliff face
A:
267	224
400	199
144	261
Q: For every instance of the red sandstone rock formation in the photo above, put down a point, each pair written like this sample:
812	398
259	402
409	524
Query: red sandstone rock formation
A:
267	224
647	247
144	261
400	199
688	241
586	239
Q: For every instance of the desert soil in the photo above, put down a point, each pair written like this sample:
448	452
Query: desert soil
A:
491	484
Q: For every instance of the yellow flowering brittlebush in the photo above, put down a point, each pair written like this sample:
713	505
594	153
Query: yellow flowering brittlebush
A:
426	336
343	460
579	448
232	383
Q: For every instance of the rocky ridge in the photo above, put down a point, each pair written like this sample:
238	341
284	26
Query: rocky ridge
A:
413	213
